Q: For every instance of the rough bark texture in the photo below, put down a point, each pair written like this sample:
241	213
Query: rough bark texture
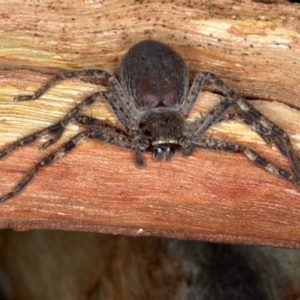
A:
252	46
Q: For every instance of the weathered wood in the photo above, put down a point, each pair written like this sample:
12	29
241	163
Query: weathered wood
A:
209	196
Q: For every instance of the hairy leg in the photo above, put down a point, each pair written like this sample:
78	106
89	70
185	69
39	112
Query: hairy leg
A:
122	106
220	145
100	131
56	130
93	73
268	130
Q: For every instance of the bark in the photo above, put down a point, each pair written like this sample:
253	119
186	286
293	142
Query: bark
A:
252	46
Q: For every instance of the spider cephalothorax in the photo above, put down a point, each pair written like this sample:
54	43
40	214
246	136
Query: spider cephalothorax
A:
152	101
162	130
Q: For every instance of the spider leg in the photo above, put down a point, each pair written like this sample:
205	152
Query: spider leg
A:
94	73
267	129
262	131
113	135
56	130
277	135
259	128
269	132
219	145
215	115
196	89
106	133
124	109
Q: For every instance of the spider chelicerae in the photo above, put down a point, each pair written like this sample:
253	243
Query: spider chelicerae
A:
152	100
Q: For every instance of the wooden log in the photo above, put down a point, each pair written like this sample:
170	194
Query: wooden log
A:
209	195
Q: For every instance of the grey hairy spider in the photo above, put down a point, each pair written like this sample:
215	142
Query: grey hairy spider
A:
152	100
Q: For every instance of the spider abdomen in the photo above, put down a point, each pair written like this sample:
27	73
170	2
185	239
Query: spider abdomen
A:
154	75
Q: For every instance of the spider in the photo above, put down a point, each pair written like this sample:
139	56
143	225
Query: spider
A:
152	101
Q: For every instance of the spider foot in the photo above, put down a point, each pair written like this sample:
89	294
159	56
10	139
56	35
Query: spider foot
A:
56	132
48	144
6	197
24	98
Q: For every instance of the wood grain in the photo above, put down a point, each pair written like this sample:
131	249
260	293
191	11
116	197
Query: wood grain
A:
209	196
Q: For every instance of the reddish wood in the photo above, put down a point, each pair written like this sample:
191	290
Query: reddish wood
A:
209	196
